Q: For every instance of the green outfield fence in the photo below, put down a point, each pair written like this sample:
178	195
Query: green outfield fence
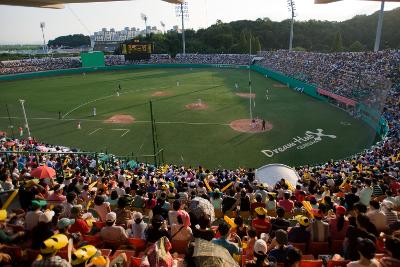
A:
369	115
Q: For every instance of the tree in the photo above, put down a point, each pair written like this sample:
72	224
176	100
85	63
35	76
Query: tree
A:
243	42
356	47
337	43
75	40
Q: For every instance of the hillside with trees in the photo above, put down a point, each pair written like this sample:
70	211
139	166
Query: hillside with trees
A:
356	34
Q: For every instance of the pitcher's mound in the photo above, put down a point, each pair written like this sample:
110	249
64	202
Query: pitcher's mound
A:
197	106
279	85
121	119
247	126
244	95
161	93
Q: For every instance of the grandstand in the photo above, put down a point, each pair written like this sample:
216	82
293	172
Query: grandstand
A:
335	201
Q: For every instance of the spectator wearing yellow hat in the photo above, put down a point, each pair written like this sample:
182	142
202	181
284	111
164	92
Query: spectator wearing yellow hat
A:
261	224
49	249
299	233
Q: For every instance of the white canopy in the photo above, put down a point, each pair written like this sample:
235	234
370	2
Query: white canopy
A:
273	173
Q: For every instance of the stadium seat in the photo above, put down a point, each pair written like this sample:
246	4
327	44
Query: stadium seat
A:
332	263
318	248
137	244
99	224
300	246
308	257
179	246
310	263
136	262
94	240
337	246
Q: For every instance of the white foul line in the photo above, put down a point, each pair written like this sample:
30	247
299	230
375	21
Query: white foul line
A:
95	131
104	97
157	122
125	131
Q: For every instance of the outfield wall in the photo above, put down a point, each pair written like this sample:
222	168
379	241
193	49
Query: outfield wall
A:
370	116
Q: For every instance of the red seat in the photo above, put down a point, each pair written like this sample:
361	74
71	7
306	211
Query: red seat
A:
300	246
337	247
99	224
179	246
332	263
94	240
135	262
314	263
137	244
318	248
308	257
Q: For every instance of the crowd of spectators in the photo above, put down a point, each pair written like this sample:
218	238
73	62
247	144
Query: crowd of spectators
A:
235	59
174	215
38	64
361	76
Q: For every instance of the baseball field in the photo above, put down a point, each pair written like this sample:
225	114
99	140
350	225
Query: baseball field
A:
200	117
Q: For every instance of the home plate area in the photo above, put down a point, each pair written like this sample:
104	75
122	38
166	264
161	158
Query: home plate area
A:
122	132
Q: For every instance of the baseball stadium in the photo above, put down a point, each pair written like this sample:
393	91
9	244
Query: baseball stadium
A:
259	157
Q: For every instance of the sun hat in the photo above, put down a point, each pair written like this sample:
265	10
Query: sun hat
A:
260	247
46	216
64	223
83	254
261	211
303	220
54	243
111	217
3	215
137	215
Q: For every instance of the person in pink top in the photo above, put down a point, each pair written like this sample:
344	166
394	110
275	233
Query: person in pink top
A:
338	226
286	203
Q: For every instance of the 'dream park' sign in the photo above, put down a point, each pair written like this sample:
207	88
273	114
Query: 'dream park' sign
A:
309	139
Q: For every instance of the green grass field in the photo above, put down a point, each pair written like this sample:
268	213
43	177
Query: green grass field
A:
190	137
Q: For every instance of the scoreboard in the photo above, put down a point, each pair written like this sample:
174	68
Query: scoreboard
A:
136	50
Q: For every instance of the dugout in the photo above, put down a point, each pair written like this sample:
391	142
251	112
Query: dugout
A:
92	59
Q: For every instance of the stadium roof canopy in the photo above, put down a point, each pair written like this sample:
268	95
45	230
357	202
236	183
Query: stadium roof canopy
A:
330	1
58	4
273	173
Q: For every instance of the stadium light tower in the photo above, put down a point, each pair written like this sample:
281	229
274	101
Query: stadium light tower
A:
163	26
379	27
42	25
292	9
144	17
26	120
182	11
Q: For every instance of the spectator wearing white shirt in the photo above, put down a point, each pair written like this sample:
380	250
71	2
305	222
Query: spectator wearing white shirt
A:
366	193
377	217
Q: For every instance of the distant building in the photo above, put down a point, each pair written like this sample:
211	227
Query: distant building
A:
108	40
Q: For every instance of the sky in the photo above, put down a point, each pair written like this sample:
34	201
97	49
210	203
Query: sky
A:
20	25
